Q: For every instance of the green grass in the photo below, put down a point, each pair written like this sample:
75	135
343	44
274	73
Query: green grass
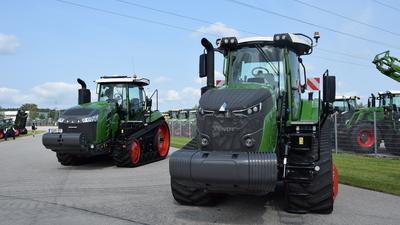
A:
379	174
179	142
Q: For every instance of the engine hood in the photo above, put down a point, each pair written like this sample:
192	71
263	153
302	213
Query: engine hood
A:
233	99
88	110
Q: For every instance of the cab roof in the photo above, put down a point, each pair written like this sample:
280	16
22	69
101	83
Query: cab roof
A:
393	92
345	97
124	79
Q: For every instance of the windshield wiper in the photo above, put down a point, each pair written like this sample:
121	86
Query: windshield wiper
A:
266	58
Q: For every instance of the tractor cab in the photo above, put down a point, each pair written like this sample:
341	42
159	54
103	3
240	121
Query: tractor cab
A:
127	92
389	100
344	104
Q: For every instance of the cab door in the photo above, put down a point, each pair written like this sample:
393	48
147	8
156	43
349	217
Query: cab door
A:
136	102
294	71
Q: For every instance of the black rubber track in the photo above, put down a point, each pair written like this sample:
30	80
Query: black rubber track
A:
316	196
148	153
69	159
191	196
122	158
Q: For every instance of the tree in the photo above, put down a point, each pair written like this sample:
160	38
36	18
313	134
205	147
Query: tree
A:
32	108
52	114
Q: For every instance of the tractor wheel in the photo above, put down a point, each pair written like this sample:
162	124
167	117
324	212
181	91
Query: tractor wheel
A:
162	140
17	132
318	195
130	156
191	196
69	159
363	139
1	134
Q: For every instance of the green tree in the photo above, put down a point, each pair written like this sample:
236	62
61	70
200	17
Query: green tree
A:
52	114
32	108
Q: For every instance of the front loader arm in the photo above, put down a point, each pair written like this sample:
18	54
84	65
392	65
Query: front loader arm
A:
388	65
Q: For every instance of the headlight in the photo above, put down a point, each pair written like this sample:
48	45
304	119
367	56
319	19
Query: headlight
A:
248	111
90	119
60	120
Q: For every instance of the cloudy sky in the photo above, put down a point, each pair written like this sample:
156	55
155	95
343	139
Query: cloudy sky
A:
45	45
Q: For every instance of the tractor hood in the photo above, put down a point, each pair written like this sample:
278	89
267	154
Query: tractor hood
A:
232	99
86	113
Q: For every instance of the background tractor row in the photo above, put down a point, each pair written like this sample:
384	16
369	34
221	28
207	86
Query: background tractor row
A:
385	105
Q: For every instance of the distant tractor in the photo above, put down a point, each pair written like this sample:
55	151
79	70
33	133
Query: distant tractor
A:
19	124
121	123
387	113
4	124
256	130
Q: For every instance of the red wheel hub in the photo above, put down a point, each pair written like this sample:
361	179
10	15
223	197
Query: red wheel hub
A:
335	181
135	152
16	132
365	138
163	140
1	135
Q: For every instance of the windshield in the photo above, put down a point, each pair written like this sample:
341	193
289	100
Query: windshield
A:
387	100
182	115
112	93
255	64
340	105
353	104
192	115
174	115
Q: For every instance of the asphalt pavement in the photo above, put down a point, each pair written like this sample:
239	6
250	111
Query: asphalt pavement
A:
36	189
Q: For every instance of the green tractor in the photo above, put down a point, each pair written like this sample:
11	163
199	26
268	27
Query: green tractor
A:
256	131
361	125
121	123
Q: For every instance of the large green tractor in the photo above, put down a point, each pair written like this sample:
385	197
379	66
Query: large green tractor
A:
121	123
387	114
255	130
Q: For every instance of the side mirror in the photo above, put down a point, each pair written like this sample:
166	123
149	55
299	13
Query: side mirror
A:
149	103
329	86
202	65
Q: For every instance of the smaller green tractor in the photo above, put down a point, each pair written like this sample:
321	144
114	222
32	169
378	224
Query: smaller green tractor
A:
363	136
121	123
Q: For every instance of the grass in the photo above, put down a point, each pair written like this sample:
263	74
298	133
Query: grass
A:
378	174
179	142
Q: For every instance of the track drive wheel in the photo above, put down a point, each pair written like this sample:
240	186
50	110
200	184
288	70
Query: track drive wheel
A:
130	156
318	195
162	140
185	195
69	159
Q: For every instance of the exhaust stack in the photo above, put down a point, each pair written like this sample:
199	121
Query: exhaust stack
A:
209	62
84	95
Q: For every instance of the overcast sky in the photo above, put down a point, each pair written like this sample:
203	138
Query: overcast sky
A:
45	45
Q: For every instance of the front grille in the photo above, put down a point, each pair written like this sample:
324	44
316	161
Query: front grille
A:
88	129
228	133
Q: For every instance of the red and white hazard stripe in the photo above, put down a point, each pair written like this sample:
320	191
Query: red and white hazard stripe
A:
313	83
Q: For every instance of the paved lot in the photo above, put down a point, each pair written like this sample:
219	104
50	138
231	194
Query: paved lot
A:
35	189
